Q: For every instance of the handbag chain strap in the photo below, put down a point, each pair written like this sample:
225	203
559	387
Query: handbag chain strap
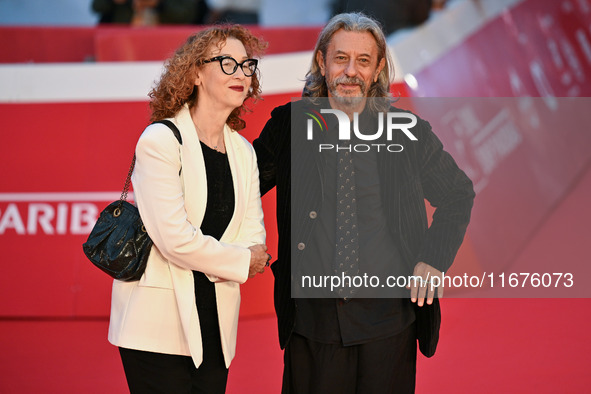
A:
123	197
127	182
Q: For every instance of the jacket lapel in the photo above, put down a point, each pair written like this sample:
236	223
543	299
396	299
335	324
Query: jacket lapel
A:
195	178
193	169
238	167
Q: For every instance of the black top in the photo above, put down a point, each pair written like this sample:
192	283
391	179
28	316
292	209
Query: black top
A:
360	320
218	213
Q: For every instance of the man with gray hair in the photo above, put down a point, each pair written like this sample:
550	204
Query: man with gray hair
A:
347	210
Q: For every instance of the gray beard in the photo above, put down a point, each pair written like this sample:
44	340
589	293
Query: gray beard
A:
347	102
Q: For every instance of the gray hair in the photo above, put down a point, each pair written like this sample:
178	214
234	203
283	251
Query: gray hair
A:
356	22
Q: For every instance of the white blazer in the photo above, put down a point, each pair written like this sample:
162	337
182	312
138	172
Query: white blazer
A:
158	312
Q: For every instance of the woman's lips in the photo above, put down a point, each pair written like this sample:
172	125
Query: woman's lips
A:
237	88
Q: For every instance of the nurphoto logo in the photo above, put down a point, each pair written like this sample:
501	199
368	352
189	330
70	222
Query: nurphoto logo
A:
344	133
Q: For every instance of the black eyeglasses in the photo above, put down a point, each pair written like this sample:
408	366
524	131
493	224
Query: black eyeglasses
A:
229	65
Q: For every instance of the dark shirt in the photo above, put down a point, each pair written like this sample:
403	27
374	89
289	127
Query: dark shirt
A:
361	319
218	213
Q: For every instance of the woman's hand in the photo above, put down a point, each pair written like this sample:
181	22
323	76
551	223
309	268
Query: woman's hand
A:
258	259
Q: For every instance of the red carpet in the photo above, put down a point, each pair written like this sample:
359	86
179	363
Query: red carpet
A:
486	346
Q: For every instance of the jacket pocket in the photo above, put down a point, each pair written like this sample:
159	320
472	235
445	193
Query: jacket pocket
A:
157	272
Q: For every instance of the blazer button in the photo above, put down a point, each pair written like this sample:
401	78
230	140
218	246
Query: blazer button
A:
313	215
301	246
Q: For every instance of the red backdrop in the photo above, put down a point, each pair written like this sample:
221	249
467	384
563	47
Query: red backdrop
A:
48	149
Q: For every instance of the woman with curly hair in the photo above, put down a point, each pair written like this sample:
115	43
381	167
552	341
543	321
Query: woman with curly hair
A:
198	196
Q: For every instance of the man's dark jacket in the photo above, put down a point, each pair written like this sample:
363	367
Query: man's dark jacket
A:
423	170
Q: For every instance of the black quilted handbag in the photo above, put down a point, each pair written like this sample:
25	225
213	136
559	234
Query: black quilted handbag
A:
118	243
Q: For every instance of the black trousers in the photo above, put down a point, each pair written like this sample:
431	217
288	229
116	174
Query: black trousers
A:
383	366
148	372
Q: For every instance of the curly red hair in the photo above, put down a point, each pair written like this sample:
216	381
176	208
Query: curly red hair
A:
176	85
